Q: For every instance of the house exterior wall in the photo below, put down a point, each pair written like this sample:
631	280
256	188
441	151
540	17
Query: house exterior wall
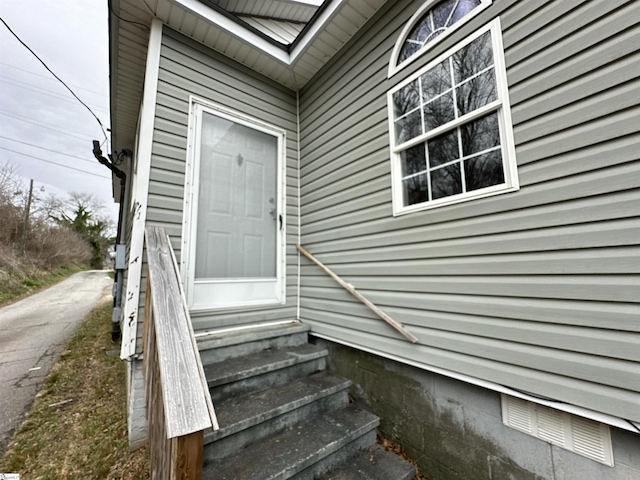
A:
537	289
187	68
454	430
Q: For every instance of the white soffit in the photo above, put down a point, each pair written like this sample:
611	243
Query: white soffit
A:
281	31
319	43
290	10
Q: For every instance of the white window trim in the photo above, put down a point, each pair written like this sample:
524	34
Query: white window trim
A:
501	105
394	67
187	260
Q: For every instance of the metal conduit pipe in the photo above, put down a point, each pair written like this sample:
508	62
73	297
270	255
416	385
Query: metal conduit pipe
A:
119	272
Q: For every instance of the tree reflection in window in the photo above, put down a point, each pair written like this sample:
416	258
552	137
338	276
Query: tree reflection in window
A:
459	85
433	23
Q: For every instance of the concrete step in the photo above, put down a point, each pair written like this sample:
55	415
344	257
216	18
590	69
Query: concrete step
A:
251	418
310	448
264	369
373	463
217	347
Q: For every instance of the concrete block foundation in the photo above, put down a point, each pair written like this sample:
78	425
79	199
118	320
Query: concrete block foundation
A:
454	430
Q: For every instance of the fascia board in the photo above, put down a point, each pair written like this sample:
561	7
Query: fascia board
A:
234	29
317	27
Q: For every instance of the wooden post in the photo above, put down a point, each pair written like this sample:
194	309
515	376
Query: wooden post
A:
186	456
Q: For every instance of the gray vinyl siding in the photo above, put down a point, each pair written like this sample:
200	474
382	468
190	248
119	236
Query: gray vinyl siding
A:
536	290
187	68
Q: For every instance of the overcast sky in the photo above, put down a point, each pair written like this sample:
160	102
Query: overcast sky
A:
38	116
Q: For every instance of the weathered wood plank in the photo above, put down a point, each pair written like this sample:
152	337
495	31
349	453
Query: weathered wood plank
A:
350	288
185	406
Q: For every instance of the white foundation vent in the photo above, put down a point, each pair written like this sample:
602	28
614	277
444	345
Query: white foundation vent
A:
579	435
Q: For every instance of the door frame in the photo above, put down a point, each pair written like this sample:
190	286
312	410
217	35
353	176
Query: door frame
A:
197	107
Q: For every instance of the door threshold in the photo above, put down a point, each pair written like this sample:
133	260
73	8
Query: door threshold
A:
242	328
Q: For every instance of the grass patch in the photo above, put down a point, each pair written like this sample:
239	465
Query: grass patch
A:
77	427
16	285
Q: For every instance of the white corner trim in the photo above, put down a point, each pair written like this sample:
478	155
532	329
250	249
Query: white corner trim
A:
564	407
299	279
235	29
141	180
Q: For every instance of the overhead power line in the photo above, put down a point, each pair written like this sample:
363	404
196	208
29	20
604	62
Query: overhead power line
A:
49	149
57	78
51	79
43	91
48	126
55	163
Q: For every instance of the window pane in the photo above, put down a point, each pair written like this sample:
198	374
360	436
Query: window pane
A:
406	99
413	160
464	7
415	189
422	30
408	127
442	12
476	93
473	58
436	81
443	148
408	49
446	181
438	112
484	170
479	135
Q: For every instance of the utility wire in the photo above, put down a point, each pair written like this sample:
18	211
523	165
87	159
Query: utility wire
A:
81	136
48	149
42	91
55	163
51	79
57	78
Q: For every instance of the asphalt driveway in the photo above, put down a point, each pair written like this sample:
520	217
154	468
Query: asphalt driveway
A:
33	332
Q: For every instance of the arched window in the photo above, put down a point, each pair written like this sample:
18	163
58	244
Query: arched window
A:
432	22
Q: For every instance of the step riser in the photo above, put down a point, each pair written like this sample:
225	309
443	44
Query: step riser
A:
226	446
212	354
267	380
373	463
333	459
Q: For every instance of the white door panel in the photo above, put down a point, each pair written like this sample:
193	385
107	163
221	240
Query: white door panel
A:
235	245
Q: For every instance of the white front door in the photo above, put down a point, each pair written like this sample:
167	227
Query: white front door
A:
234	240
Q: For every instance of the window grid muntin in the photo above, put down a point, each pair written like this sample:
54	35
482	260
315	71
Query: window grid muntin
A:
435	31
445	126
